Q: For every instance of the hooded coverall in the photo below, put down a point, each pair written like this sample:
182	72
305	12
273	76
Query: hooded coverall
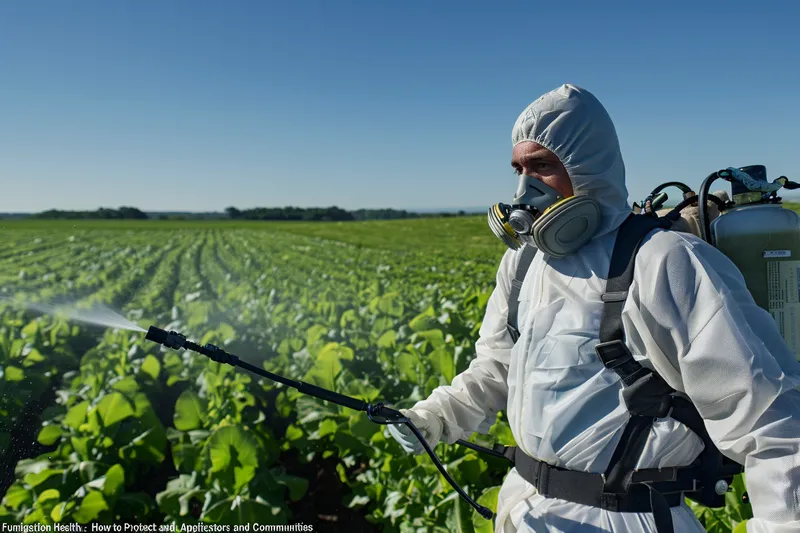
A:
688	315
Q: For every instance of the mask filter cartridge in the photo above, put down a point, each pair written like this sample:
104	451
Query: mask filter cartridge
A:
541	217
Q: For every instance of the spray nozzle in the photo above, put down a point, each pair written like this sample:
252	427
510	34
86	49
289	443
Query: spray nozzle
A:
176	341
171	339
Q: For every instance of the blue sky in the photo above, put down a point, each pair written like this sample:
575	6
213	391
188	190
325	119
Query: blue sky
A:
200	105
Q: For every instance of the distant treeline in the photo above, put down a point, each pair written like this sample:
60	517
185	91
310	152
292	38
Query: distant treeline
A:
259	213
118	214
324	214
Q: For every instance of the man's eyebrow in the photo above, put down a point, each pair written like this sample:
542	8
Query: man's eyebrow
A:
534	156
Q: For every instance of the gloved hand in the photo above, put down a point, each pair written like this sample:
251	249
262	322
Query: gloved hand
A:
428	424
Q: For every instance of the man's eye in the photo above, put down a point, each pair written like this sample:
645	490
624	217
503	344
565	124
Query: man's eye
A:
542	166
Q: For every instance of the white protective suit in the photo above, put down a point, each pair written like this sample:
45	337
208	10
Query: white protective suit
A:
688	315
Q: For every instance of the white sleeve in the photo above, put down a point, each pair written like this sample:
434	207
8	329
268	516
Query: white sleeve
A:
705	334
475	396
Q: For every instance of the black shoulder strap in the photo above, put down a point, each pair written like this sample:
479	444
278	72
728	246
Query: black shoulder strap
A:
528	252
650	391
611	349
646	395
620	271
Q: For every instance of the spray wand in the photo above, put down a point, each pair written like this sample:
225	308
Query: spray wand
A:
378	412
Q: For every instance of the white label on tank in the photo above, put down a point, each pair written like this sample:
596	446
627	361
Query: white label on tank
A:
783	280
777	253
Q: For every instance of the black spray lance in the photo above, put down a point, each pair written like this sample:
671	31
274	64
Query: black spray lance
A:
378	412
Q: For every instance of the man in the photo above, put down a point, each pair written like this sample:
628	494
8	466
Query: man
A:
688	315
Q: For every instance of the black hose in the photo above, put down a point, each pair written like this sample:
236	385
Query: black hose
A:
484	512
705	225
675	213
693	200
684	204
482	449
685	189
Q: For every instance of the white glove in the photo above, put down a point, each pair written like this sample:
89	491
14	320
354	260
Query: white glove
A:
428	424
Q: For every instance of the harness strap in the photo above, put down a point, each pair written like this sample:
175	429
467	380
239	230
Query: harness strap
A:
528	252
586	488
620	272
646	395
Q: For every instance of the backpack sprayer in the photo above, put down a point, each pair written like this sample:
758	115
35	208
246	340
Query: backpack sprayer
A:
753	230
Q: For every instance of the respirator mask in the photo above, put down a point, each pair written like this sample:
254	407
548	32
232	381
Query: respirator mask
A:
540	216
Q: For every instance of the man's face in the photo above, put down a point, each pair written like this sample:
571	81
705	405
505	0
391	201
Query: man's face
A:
537	161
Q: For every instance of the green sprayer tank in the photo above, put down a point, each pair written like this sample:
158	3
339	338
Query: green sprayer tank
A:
763	241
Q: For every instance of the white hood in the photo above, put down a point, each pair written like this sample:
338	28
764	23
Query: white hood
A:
574	125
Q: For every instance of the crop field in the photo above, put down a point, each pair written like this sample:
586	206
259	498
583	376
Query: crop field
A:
100	425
